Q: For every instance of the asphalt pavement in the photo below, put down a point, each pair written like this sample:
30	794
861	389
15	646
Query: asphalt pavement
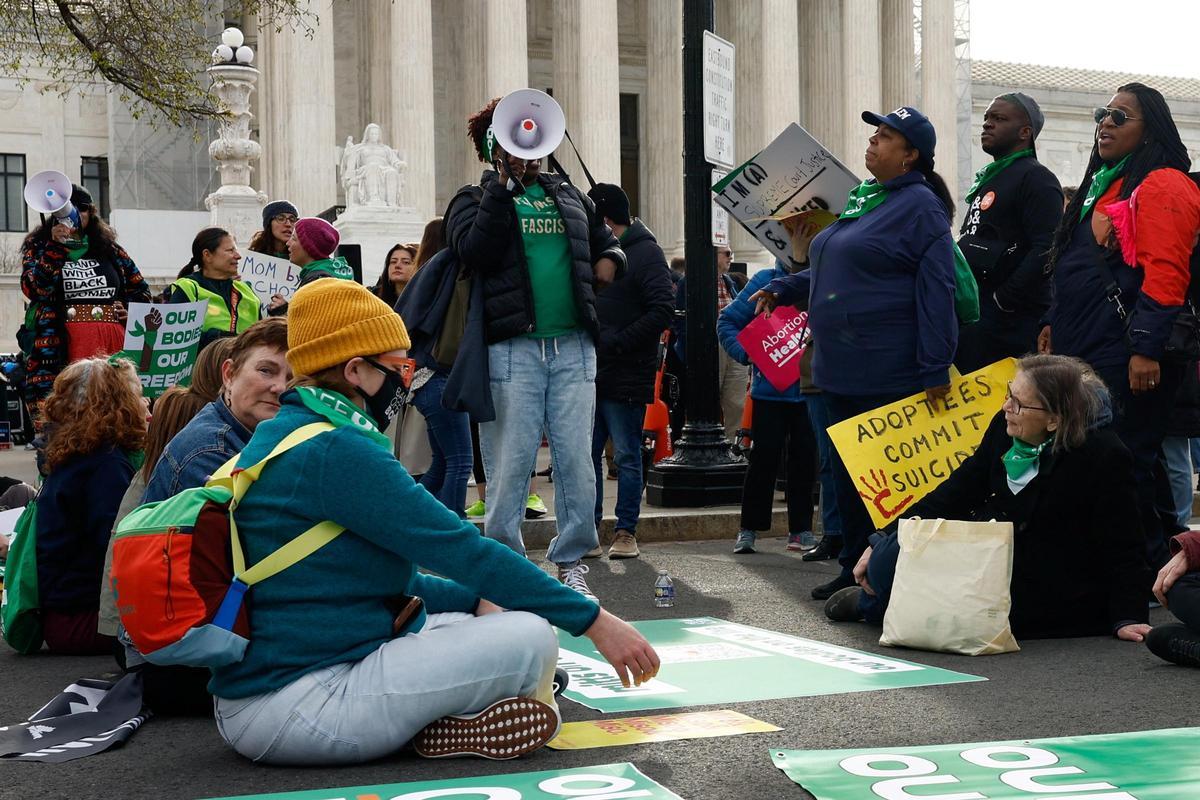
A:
1050	688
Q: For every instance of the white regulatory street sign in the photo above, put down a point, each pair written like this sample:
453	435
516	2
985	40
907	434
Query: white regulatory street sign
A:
720	217
718	101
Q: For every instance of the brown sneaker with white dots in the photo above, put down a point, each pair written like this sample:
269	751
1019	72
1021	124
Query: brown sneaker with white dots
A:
506	729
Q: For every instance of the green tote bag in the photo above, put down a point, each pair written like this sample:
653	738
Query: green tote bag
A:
19	617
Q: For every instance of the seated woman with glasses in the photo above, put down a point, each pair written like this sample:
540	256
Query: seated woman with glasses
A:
1120	262
1049	464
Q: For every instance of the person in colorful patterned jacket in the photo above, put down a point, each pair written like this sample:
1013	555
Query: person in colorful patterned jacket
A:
78	283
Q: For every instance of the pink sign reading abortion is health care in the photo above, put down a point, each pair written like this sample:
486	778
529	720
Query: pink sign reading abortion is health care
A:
775	343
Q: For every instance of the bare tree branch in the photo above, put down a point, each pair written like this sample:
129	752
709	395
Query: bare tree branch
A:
153	51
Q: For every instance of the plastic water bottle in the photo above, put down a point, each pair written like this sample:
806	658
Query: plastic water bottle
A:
664	590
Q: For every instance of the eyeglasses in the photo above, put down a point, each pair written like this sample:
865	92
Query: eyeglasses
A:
284	218
1119	117
402	367
1018	406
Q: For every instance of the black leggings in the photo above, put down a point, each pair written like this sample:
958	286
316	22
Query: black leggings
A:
1184	600
778	429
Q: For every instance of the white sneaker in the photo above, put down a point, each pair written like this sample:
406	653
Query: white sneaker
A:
571	575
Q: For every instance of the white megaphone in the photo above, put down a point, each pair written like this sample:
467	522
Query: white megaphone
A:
529	124
49	192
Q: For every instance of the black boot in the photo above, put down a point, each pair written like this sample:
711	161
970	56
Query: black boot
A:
829	547
1176	643
826	590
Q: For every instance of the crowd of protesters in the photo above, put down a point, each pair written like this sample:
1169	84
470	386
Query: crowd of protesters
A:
533	306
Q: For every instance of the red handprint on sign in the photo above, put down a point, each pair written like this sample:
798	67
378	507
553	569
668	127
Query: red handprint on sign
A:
879	491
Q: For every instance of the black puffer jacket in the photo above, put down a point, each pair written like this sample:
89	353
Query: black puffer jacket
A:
482	230
633	313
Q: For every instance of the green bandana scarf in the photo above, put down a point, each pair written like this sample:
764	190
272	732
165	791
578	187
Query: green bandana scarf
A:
338	409
864	197
1101	180
77	248
334	267
1022	457
991	170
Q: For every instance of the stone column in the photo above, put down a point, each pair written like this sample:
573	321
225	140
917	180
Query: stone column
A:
662	199
298	111
766	60
586	84
861	76
938	85
506	60
409	126
821	95
899	58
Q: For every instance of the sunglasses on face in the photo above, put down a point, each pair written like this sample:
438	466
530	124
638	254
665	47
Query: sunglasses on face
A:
1119	117
403	367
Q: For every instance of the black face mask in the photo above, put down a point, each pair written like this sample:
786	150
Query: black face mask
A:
384	405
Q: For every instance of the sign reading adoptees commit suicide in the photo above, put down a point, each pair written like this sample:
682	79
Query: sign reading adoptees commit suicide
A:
794	173
899	453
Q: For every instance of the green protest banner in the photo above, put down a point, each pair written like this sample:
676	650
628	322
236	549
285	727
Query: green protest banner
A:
605	782
1151	765
708	661
161	339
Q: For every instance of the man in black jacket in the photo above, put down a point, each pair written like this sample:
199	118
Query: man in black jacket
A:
1014	206
633	313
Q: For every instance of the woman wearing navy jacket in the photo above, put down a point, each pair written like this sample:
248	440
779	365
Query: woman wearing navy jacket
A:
881	303
1117	294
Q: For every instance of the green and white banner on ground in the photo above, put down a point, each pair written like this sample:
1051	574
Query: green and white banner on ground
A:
605	781
708	661
161	339
1151	765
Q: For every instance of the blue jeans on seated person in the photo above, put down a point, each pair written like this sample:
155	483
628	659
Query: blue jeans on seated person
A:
542	385
881	573
623	422
450	440
360	710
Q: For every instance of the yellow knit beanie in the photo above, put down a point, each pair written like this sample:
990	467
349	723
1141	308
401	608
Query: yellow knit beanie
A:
332	321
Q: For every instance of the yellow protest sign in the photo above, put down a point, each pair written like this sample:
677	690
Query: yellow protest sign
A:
657	728
897	454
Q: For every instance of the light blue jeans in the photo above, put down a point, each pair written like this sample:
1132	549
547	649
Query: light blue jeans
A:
542	385
1177	460
353	712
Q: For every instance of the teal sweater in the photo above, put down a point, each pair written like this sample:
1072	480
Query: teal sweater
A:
331	607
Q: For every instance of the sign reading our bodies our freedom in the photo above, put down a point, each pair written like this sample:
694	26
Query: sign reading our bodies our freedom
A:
708	661
793	173
161	339
603	782
899	453
269	276
1150	765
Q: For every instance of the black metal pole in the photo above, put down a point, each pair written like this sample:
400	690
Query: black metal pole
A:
703	471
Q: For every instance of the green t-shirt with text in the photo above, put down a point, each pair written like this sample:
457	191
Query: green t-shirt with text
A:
548	255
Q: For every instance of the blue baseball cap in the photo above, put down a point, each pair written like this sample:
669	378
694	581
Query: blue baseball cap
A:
914	125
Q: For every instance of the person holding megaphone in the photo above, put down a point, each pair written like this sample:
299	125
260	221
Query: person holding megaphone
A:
78	281
541	252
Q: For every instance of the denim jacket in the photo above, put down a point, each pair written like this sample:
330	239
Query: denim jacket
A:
212	437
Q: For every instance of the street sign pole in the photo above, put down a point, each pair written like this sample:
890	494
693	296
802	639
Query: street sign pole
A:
703	471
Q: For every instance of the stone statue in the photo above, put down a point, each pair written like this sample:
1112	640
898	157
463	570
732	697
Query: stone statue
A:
372	172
